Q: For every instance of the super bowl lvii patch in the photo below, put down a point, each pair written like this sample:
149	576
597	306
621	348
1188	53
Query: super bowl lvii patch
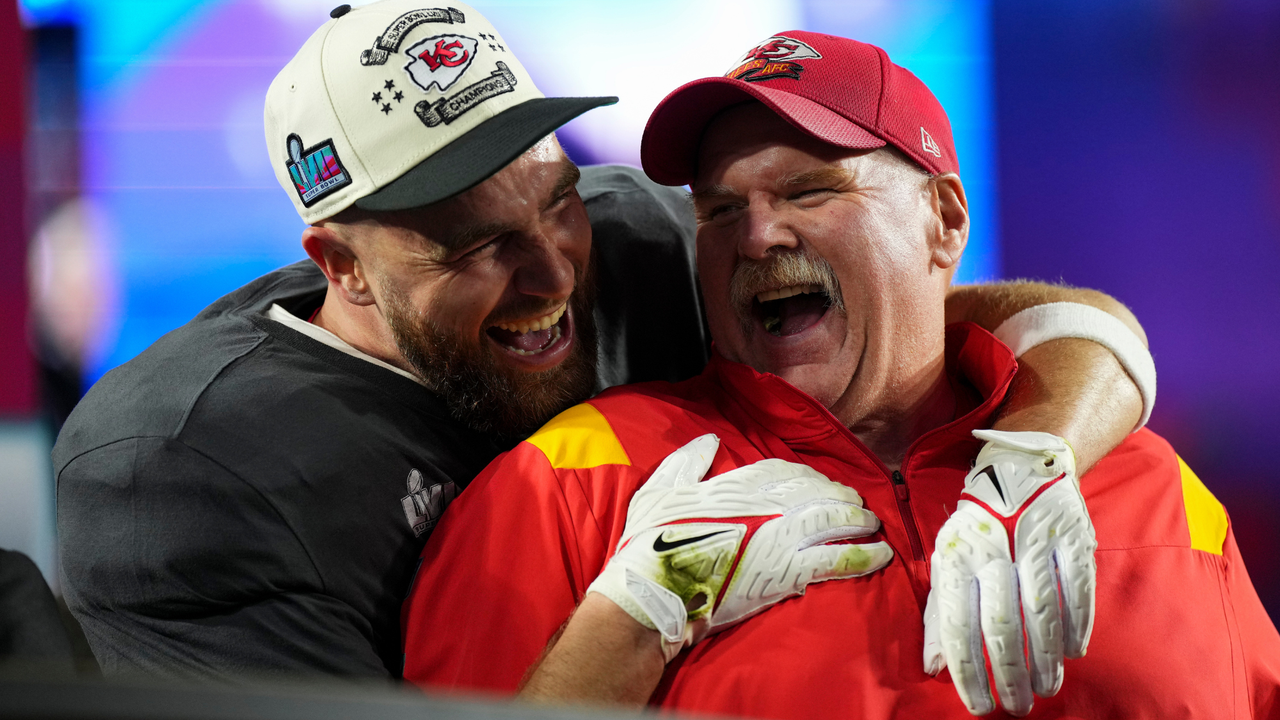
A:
316	171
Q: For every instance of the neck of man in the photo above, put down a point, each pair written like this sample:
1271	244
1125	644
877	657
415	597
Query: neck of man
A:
914	398
362	327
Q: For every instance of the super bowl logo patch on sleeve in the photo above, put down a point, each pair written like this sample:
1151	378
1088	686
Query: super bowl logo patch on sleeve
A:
440	60
316	171
424	505
773	58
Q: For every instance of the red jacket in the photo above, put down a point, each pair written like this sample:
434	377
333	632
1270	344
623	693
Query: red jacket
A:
1180	631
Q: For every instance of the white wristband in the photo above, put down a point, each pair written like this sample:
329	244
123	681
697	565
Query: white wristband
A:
1053	321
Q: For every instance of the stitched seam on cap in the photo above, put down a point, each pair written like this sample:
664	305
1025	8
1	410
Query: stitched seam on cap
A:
346	138
891	139
884	82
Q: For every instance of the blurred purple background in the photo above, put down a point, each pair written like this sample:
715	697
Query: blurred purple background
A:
1139	149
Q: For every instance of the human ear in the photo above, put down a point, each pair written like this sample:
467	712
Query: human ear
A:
952	211
333	254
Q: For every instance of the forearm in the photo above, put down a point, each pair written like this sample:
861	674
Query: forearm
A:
990	305
1075	389
1069	387
601	657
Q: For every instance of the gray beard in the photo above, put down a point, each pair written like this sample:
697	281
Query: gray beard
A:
480	392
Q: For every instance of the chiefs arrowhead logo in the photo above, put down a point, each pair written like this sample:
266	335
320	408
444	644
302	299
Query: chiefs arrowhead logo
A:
440	60
773	58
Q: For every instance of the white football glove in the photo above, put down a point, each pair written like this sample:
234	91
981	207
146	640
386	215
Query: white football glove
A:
697	557
1022	494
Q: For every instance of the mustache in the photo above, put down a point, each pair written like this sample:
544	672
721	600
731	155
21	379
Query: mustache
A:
782	269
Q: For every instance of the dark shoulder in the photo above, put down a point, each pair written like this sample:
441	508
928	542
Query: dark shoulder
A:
153	394
600	179
643	238
292	287
623	194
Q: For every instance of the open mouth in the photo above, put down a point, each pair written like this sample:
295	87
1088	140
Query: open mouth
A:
791	310
532	336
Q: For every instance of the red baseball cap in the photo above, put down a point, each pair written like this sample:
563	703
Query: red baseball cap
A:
840	91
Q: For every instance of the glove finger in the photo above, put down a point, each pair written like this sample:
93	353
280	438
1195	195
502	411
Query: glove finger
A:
825	522
788	484
1001	615
830	562
690	464
1041	612
685	466
960	633
1077	576
934	661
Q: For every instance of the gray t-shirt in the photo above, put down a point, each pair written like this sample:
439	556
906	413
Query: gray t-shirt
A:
242	499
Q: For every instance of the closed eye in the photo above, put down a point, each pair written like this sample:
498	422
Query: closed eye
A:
563	198
717	211
481	250
813	196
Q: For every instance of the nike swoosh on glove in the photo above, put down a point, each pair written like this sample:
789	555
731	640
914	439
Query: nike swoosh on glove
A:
697	557
1019	547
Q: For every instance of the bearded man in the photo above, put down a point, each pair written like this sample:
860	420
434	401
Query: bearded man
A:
248	495
831	217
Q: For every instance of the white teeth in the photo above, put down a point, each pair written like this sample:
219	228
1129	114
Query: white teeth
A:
555	335
787	292
541	323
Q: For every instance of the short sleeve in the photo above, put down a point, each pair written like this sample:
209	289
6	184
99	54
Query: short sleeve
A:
177	567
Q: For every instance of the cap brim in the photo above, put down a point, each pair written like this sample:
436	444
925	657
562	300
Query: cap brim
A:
474	157
669	148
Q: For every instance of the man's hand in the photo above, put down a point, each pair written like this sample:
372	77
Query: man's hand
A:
1019	546
697	557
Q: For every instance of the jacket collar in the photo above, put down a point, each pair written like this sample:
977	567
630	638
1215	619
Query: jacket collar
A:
974	357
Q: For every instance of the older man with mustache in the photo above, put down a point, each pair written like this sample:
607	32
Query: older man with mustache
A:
831	217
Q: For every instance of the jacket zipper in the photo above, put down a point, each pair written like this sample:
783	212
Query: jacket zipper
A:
908	519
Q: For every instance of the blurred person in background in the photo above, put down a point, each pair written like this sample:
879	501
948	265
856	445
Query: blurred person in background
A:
831	217
248	495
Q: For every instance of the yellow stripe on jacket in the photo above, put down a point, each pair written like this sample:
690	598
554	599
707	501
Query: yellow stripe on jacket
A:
1206	518
579	438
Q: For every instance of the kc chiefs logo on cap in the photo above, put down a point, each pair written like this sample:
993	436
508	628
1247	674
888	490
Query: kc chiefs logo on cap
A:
440	60
773	58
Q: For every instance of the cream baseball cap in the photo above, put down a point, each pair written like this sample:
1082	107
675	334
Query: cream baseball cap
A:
396	105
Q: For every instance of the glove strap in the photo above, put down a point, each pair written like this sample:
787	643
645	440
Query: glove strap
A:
1018	463
649	604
